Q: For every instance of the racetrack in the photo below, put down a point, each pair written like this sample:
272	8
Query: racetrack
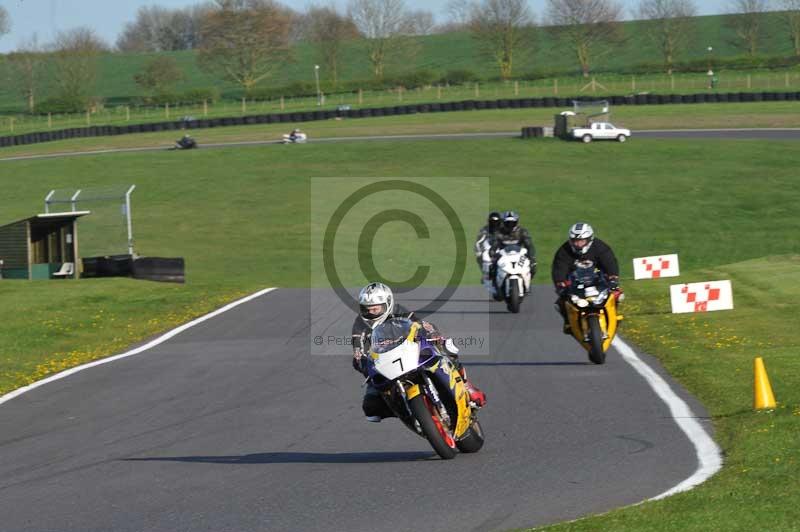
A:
731	134
233	425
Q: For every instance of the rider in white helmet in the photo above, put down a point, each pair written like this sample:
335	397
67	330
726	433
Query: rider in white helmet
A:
376	304
582	245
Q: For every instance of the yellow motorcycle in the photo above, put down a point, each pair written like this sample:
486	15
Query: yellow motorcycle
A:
592	311
423	388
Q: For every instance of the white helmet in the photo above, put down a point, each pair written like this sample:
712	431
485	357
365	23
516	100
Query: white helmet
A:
375	294
581	231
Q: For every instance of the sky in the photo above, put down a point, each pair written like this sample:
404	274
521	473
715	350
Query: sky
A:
46	17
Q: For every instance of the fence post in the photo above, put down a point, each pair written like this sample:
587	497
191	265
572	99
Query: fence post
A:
749	82
166	110
127	113
282	104
787	80
672	82
400	93
516	88
244	105
205	107
633	83
477	90
11	123
88	118
438	92
49	121
555	86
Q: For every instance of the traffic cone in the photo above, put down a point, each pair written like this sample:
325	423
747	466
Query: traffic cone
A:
762	390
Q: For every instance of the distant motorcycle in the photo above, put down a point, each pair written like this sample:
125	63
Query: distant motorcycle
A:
295	137
592	310
423	388
512	280
185	143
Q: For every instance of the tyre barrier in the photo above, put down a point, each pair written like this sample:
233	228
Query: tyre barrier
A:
107	266
532	132
171	270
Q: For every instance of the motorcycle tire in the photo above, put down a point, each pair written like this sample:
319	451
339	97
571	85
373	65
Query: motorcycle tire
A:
432	428
596	353
472	440
514	298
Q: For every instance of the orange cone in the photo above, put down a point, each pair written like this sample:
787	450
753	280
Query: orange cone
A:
762	390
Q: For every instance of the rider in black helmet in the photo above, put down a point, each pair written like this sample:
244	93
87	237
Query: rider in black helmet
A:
486	239
510	234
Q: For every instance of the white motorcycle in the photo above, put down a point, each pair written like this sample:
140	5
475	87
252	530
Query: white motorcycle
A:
295	137
513	278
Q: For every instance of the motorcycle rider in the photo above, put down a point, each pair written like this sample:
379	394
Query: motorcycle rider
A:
186	142
511	233
580	246
376	305
486	237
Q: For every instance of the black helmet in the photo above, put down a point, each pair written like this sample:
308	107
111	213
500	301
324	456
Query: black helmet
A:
510	221
493	221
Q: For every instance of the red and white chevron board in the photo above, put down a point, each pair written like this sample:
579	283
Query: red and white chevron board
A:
656	267
701	297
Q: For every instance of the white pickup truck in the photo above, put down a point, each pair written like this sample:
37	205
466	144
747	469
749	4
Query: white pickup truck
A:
600	130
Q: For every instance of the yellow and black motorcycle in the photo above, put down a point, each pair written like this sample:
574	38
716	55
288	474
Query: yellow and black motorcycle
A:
423	388
591	308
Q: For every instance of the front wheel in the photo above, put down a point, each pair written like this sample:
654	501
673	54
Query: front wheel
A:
596	353
622	138
587	139
514	297
436	433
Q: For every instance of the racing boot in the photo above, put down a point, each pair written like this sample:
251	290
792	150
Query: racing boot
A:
476	397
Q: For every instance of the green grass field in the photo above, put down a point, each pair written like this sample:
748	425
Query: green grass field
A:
727	207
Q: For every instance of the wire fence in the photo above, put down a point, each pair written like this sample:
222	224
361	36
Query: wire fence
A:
559	87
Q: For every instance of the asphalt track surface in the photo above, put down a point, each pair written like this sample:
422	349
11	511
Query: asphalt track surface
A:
244	423
730	134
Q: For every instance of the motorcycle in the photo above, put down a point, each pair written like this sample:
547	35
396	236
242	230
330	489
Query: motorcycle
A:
591	308
295	138
513	278
185	143
423	388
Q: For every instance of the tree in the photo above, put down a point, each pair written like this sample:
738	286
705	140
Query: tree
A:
791	17
329	30
501	27
5	23
386	26
159	75
244	41
26	64
75	55
458	13
673	25
157	29
589	27
421	22
746	22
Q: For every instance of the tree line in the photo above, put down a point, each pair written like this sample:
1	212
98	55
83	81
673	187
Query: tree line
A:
244	42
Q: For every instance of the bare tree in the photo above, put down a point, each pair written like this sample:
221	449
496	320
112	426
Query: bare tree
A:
673	25
458	13
157	29
791	17
159	75
26	65
421	22
329	30
245	41
76	52
746	22
5	22
501	27
386	26
590	27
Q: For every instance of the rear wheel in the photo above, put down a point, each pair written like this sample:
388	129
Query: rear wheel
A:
514	297
432	427
622	138
473	440
586	139
596	354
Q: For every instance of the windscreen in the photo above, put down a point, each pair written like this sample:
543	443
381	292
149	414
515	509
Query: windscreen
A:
390	334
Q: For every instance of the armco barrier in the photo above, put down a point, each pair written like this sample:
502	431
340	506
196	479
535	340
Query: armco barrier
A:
107	266
159	269
466	105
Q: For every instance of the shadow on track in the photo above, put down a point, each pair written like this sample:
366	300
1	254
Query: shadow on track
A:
473	364
295	458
